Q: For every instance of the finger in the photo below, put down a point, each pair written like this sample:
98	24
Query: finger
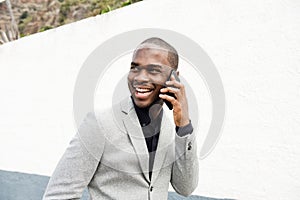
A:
174	82
176	91
171	99
173	90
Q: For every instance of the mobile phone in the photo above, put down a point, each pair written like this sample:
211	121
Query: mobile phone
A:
169	104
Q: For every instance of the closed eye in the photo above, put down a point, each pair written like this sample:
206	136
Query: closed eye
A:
154	68
134	67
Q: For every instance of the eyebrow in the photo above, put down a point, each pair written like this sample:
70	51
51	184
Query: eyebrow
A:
150	65
135	64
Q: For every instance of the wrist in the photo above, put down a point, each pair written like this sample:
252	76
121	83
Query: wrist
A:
183	123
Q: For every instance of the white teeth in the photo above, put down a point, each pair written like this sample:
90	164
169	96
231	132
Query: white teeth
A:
142	90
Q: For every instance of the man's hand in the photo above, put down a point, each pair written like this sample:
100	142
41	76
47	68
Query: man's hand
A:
180	104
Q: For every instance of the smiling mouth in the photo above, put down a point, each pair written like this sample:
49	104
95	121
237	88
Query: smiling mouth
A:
142	93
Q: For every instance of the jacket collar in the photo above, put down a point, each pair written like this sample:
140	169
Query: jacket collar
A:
134	130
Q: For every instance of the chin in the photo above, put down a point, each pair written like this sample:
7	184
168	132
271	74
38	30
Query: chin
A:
142	104
147	103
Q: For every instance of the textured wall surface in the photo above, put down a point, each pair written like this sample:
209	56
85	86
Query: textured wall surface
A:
255	46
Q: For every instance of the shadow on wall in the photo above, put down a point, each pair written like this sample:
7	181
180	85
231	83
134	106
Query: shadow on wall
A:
22	186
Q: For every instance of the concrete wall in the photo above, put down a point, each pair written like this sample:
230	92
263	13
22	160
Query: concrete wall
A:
255	46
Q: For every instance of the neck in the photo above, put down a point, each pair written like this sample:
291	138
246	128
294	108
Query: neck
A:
149	113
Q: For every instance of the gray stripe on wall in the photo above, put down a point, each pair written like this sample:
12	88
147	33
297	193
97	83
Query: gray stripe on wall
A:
23	186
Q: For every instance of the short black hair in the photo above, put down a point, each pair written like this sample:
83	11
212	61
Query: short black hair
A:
172	53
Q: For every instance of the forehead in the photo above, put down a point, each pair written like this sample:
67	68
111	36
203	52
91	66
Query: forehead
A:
145	56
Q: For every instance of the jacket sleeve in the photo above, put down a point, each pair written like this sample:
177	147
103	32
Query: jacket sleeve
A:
185	169
79	162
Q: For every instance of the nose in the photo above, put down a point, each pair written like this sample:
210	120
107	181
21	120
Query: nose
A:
142	76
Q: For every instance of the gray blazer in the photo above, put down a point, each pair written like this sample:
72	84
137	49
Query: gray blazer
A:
109	155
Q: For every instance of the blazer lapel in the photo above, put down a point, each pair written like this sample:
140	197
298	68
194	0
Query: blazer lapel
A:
136	135
166	138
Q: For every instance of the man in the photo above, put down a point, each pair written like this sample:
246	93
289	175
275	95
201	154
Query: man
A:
132	151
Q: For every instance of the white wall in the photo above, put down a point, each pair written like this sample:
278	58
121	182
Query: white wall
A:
255	46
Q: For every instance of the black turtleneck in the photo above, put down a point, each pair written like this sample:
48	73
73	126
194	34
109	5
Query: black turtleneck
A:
151	130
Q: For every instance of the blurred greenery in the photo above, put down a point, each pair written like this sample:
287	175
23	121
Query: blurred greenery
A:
37	19
24	15
23	23
94	7
44	28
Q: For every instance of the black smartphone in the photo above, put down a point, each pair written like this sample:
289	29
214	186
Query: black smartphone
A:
169	104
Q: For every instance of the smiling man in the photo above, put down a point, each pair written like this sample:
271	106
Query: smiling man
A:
133	151
146	76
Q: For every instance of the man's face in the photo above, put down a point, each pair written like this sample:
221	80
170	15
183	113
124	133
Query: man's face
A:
149	71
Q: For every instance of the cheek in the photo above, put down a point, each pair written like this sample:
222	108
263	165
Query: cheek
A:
129	79
159	81
129	83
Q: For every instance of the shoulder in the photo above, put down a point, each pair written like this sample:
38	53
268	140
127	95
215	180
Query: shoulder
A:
91	133
101	125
